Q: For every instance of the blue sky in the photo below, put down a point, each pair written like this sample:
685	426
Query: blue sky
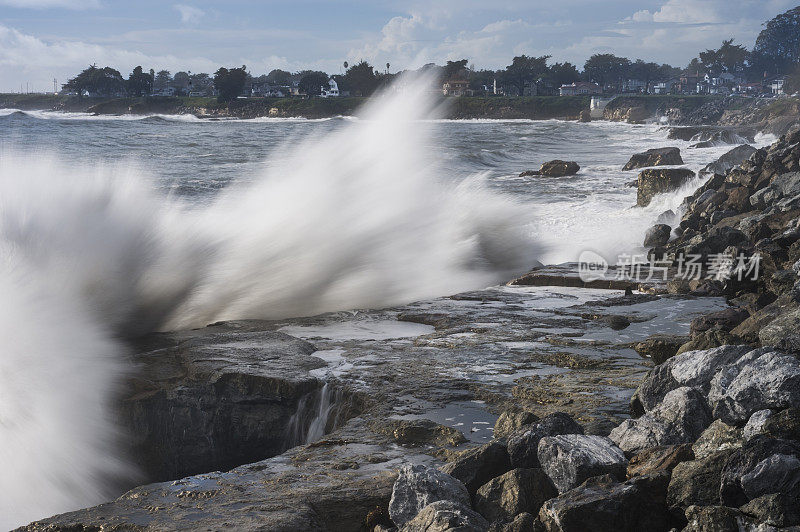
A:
45	39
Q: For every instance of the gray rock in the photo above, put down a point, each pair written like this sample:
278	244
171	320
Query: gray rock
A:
656	460
524	522
691	368
660	347
680	418
784	425
475	467
572	458
752	471
783	332
659	180
775	509
731	159
655	157
443	516
601	505
417	486
755	424
713	518
511	420
717	437
697	481
523	445
771	380
658	235
519	490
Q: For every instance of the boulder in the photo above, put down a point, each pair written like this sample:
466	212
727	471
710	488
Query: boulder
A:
417	486
416	432
659	180
601	504
719	436
784	424
783	186
661	459
713	519
726	320
443	516
783	332
755	425
558	168
475	467
657	236
692	368
519	490
762	466
680	418
616	322
523	445
755	382
660	347
697	481
729	160
655	157
585	116
776	509
524	522
511	420
570	459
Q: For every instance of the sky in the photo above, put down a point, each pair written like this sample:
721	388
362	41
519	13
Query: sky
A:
43	40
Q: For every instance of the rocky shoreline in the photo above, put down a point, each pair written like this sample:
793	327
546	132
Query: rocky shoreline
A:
677	407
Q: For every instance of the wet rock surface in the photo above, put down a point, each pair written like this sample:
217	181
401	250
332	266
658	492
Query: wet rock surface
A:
659	180
655	157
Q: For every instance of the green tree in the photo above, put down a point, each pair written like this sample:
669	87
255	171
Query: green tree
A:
524	70
361	79
230	83
312	83
455	69
201	83
727	58
563	74
777	48
104	81
139	82
607	69
279	77
181	82
162	80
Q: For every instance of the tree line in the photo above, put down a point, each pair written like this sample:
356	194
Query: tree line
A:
776	52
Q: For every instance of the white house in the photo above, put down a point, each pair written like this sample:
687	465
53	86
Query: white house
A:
776	86
579	88
332	91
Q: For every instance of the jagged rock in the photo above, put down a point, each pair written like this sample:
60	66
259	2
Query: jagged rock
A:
519	490
600	504
570	459
661	459
775	509
784	425
782	186
709	339
444	516
692	368
729	160
655	157
726	320
585	116
755	382
762	466
658	235
558	168
523	445
755	425
783	332
475	467
511	420
680	418
717	437
524	522
660	347
712	518
415	432
697	481
659	180
417	486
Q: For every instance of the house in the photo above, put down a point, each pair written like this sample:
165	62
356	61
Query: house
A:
665	87
456	87
688	83
752	89
332	91
634	85
166	91
266	90
579	88
776	85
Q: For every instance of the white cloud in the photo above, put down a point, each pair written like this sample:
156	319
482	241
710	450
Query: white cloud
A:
189	14
44	4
